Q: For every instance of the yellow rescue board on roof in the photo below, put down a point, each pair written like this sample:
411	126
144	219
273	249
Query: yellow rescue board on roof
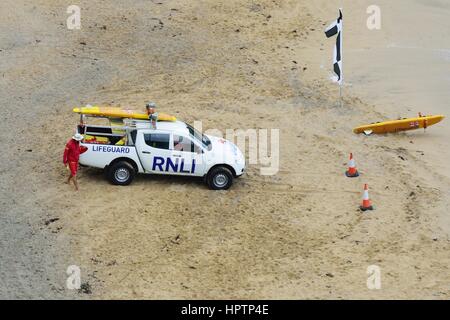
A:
115	112
399	125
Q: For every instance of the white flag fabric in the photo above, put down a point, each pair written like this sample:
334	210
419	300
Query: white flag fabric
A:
336	29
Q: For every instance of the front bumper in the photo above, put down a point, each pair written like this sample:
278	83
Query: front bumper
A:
239	168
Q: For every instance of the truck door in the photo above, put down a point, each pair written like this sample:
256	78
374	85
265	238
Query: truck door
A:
154	150
190	154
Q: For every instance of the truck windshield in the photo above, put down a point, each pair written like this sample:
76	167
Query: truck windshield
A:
204	140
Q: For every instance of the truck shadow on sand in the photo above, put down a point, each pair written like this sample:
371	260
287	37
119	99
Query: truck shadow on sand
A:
98	176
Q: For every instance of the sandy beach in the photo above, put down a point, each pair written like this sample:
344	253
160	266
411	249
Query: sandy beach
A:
232	65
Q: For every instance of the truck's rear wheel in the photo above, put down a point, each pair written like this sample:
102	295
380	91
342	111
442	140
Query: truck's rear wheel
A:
219	178
121	173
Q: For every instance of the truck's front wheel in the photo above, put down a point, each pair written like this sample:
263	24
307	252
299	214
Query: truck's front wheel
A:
219	178
121	173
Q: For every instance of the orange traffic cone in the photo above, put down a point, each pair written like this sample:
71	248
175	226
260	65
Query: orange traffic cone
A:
366	204
352	172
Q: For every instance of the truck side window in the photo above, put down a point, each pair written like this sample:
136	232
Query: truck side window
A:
157	140
181	143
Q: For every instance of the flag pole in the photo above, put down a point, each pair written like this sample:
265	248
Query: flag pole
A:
342	59
336	28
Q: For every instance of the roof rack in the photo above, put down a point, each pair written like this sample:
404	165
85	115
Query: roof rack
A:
139	124
129	124
95	133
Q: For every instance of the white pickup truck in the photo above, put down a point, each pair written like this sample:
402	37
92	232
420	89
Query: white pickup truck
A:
171	148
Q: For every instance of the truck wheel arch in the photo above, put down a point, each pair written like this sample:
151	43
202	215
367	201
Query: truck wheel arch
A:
222	165
130	161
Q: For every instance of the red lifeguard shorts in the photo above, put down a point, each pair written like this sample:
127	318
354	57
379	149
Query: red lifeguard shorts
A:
73	166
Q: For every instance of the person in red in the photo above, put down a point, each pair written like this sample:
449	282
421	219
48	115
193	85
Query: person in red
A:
71	157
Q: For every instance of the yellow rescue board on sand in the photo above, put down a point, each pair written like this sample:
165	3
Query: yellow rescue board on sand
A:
399	125
115	112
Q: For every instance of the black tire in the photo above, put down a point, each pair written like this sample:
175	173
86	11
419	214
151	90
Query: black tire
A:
121	173
219	178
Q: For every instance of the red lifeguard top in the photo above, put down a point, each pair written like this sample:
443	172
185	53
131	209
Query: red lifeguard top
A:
73	151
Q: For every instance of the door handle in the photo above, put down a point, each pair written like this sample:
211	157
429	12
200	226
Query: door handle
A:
146	152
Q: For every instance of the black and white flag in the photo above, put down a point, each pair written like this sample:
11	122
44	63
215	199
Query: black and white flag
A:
336	29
